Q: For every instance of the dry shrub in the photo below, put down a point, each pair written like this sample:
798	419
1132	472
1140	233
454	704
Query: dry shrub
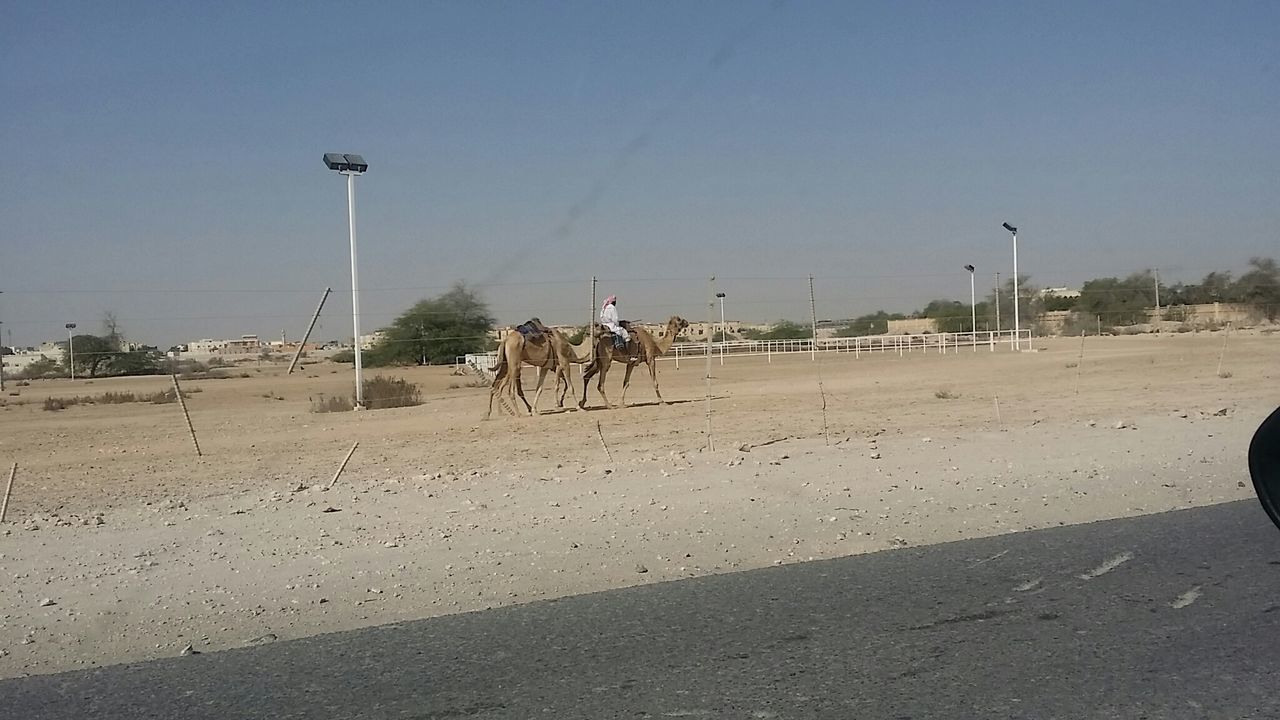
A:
385	392
334	403
114	398
117	398
945	394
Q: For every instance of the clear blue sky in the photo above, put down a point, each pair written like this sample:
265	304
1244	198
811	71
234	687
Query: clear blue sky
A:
163	160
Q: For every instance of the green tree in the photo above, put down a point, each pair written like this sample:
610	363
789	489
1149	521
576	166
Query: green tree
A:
1054	303
781	330
1118	302
1030	305
1259	287
136	362
723	337
950	315
1215	287
42	368
436	330
876	323
93	354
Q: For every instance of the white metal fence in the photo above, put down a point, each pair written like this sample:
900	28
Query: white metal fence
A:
940	343
484	363
933	342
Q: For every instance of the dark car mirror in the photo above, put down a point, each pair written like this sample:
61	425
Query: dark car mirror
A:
1264	465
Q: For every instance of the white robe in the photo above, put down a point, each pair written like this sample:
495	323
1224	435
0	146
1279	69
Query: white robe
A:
609	319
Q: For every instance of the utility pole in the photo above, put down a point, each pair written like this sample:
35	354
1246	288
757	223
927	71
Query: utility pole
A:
997	302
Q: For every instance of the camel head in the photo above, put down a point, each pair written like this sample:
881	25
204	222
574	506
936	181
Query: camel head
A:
677	325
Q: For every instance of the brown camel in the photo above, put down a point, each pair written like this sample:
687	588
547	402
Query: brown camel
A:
553	352
644	347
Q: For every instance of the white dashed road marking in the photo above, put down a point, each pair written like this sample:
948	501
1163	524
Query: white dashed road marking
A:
1186	598
1108	566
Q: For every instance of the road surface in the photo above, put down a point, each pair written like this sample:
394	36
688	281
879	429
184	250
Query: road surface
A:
1166	616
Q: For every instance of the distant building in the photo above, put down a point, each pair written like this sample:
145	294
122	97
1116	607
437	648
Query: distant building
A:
22	358
913	326
246	345
205	347
1059	292
368	341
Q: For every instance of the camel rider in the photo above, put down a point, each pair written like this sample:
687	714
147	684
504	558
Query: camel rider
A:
609	319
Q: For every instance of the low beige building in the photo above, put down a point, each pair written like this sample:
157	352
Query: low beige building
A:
913	326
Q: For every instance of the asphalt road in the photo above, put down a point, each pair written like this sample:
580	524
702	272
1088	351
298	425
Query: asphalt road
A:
1166	616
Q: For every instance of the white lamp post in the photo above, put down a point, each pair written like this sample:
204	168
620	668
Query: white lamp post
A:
1017	288
722	332
351	166
71	350
973	309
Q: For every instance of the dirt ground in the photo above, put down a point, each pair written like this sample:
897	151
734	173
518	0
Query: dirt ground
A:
122	545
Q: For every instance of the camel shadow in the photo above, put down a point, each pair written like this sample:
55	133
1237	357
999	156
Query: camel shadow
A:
652	403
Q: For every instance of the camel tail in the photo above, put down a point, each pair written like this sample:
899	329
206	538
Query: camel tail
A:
501	368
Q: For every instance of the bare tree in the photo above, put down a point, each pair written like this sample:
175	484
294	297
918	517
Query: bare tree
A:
111	330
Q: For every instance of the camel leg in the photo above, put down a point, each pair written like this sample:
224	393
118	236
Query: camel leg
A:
626	380
564	376
537	393
653	375
600	387
587	373
568	384
493	390
602	367
519	390
498	386
593	368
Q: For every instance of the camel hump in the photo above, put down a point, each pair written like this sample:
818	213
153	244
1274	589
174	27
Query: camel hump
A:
533	330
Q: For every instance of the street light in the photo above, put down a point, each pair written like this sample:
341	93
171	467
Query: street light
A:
1017	287
722	332
71	350
351	166
1	352
973	309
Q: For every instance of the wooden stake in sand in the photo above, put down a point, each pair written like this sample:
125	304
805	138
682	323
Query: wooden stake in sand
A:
604	444
190	428
4	509
343	466
813	313
1080	362
1223	353
998	420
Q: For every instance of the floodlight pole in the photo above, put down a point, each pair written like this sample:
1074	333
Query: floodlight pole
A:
998	326
355	287
722	332
71	350
1017	289
973	307
352	165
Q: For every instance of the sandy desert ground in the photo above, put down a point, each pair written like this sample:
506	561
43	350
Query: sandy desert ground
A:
122	545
